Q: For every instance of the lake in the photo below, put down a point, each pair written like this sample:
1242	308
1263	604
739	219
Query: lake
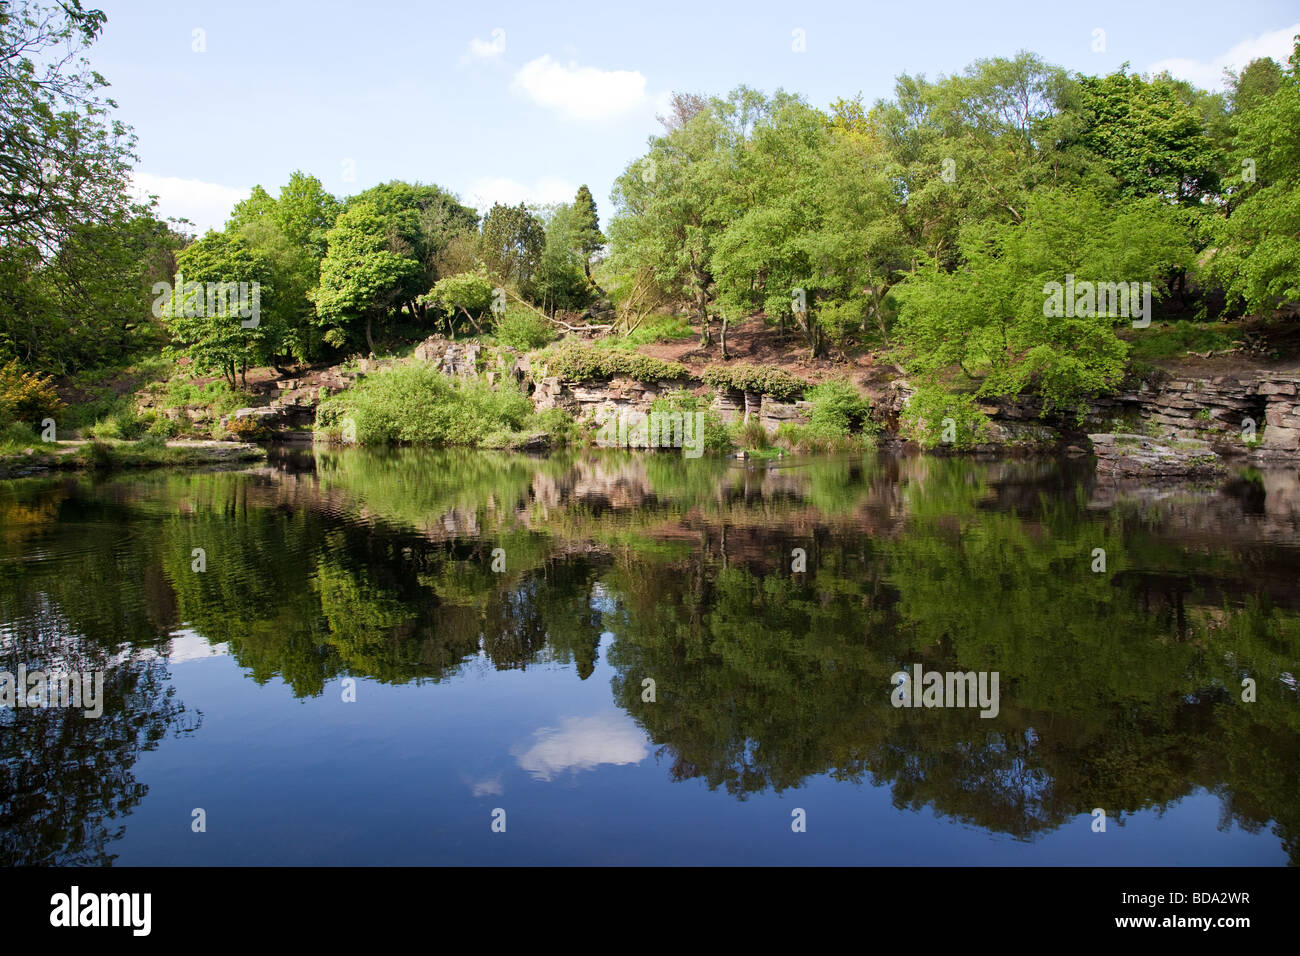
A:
437	657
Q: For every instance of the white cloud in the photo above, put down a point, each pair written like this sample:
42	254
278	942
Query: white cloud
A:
486	190
580	92
207	205
1277	44
582	743
487	787
487	49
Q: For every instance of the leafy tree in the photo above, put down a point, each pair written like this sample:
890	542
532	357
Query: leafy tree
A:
1151	142
1258	245
990	317
561	280
469	293
1258	80
674	202
363	277
420	222
204	323
511	244
63	161
291	232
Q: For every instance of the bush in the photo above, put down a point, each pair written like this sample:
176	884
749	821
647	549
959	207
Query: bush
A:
420	405
245	429
26	396
560	426
923	418
523	329
839	408
751	435
578	363
717	436
125	425
818	439
18	435
743	377
165	427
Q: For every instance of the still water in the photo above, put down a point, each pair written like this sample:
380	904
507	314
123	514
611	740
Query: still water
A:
371	658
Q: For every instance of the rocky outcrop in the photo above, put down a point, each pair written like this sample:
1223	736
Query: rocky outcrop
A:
1254	415
454	358
1139	456
598	401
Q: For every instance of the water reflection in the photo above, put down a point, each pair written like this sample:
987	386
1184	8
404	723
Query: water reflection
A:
1120	688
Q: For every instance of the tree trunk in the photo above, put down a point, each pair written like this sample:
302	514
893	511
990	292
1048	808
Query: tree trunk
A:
723	339
370	342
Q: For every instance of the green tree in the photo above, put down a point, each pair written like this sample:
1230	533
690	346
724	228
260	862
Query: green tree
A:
363	277
1257	254
63	160
511	245
1147	138
291	232
588	239
200	309
991	318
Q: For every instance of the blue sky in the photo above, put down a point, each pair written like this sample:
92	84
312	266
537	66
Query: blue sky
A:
525	101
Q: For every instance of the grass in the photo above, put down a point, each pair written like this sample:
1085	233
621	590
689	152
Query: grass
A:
664	328
1174	340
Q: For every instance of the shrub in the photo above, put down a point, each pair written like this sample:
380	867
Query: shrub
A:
245	429
839	408
18	435
578	363
560	426
165	427
523	329
26	396
419	404
922	419
717	436
125	425
743	377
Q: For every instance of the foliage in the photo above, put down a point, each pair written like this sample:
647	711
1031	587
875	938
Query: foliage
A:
418	404
64	162
290	232
717	434
742	377
26	396
209	327
523	329
579	363
991	318
469	293
923	419
511	244
839	408
363	277
1258	245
